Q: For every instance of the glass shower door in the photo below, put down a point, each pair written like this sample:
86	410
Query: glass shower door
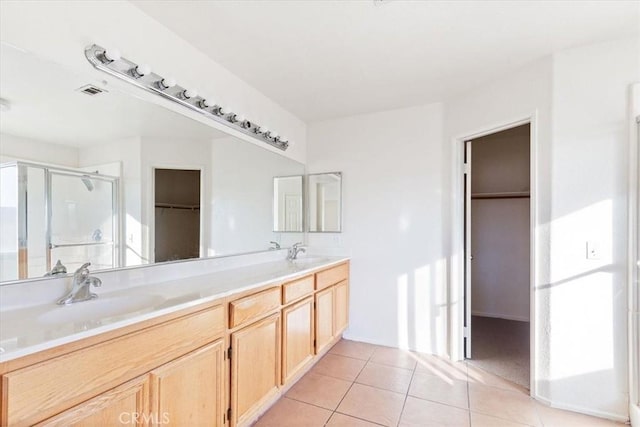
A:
82	220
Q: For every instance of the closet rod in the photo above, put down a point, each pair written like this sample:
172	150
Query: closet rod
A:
505	195
174	206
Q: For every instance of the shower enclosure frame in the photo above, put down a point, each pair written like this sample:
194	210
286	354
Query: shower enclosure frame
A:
48	170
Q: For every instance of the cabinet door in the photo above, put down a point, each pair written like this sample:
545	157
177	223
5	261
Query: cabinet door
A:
255	366
297	337
341	301
324	318
126	404
188	390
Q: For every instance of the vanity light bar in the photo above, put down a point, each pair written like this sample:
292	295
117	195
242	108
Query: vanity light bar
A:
111	62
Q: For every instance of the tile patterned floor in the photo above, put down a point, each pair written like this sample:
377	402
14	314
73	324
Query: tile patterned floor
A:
358	384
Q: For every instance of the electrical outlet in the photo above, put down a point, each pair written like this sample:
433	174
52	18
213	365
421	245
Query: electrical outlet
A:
593	250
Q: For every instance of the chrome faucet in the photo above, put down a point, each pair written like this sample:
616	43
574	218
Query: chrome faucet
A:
294	251
275	246
80	290
57	269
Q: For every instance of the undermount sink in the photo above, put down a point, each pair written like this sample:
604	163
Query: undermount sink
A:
98	308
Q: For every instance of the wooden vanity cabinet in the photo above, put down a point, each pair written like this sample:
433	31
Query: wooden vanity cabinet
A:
218	364
324	319
124	405
118	377
255	367
332	304
297	337
189	390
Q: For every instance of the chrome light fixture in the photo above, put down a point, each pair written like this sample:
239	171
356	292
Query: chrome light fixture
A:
111	62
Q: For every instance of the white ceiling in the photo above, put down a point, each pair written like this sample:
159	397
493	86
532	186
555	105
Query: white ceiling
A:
323	59
46	106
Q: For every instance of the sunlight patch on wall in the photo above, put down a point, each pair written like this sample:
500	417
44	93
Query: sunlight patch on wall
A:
403	312
581	293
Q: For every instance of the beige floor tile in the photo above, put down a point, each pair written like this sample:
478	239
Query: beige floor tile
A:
319	390
423	413
394	357
505	404
479	376
445	368
339	420
385	377
358	350
345	368
481	420
372	404
552	417
443	390
291	413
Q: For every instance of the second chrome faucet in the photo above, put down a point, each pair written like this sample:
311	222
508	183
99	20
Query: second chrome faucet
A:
294	251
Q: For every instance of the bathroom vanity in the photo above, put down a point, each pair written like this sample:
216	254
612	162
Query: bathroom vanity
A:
217	349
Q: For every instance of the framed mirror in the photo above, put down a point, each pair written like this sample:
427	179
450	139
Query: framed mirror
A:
80	181
324	195
288	204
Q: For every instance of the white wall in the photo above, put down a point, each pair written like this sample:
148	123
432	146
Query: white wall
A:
523	94
587	320
60	31
18	148
579	100
392	196
242	194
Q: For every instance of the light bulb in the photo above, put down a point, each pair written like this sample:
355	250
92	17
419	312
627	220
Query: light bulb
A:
273	135
190	93
264	131
143	70
204	103
167	83
240	118
112	55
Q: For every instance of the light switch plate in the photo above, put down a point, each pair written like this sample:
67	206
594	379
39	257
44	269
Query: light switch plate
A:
593	250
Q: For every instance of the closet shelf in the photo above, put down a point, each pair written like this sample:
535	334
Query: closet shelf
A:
502	195
177	206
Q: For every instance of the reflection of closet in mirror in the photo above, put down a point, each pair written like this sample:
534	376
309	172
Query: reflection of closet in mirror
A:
287	203
325	202
177	214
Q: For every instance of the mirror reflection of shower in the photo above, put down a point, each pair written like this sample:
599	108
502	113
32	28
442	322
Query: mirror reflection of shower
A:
49	213
86	180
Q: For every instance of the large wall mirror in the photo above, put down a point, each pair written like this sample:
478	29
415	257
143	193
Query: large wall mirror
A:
91	173
324	195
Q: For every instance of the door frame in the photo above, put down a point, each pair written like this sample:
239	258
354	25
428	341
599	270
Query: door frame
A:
633	250
457	289
151	211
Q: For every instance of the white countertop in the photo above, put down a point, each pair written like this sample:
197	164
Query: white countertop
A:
29	329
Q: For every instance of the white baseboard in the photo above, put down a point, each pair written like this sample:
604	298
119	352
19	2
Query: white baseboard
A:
634	412
583	410
349	336
500	316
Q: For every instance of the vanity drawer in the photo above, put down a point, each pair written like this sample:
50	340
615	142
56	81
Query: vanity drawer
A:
253	306
332	276
40	391
297	289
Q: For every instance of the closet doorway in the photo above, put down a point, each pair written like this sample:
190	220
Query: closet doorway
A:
497	249
177	219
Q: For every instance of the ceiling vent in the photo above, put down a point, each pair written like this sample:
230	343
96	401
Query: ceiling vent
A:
91	90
